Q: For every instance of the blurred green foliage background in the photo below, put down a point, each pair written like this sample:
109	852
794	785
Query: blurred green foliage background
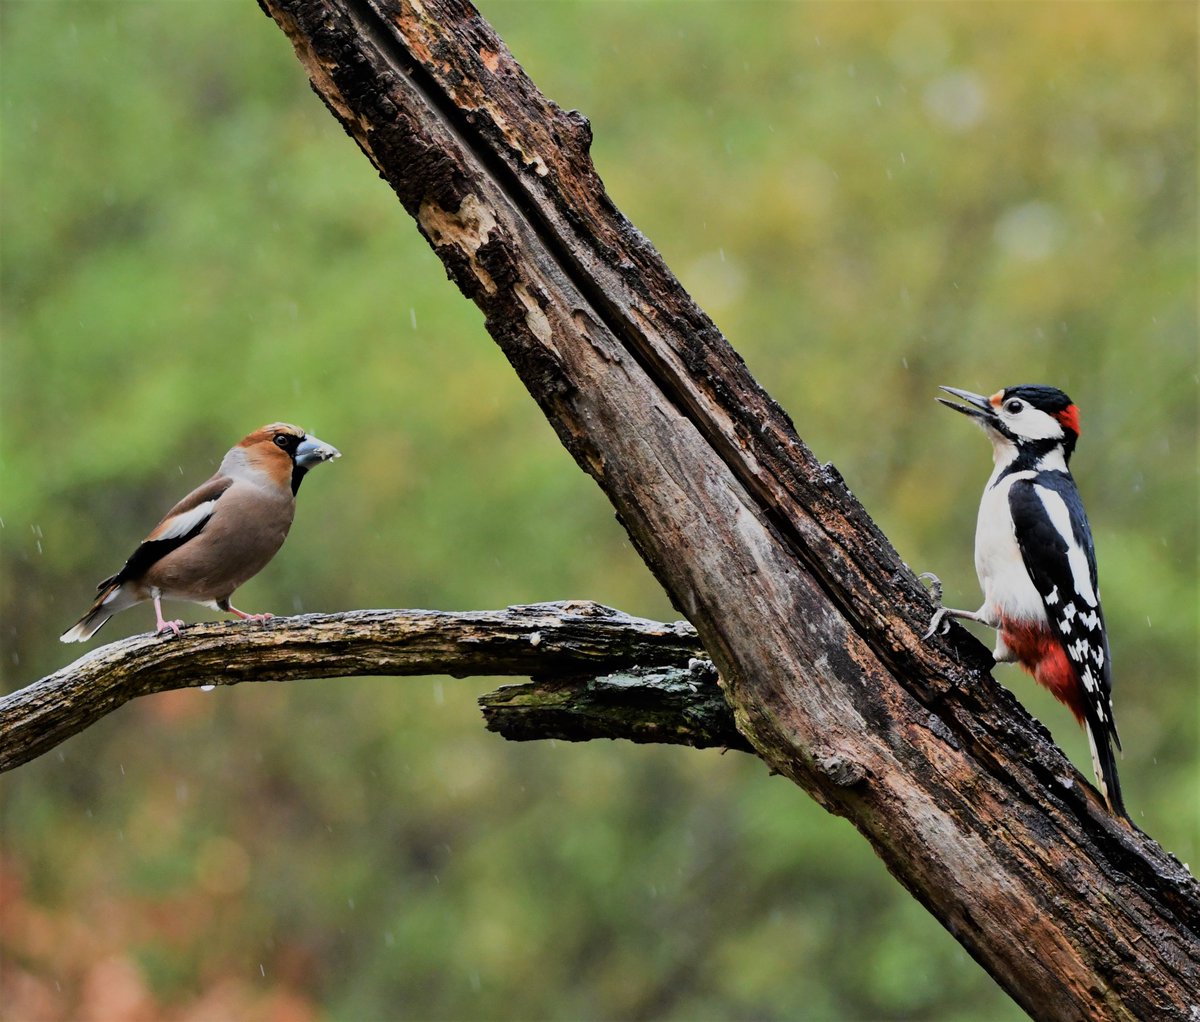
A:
870	199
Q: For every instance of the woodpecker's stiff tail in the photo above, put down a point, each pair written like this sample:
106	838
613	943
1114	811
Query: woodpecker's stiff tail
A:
1104	764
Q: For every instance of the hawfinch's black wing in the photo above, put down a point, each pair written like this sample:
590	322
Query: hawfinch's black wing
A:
183	522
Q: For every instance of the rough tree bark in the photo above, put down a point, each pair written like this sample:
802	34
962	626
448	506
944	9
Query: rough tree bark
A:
808	612
597	673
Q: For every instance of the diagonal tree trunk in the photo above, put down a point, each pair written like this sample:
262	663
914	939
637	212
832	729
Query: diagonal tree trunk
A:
808	612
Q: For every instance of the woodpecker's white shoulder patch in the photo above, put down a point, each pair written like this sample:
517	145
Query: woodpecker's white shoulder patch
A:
1060	518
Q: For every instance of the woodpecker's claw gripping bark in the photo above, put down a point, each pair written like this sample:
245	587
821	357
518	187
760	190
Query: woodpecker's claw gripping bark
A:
939	624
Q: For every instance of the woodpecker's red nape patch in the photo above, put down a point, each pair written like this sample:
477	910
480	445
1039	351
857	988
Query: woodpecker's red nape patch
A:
1069	417
1041	654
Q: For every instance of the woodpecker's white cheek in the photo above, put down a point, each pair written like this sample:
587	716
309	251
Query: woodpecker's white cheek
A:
1034	424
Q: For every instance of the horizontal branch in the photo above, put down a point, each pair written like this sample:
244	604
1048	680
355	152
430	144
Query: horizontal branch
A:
576	640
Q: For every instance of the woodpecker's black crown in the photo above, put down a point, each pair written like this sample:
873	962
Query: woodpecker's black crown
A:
1048	399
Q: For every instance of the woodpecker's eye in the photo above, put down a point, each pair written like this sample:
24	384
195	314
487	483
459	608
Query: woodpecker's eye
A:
1013	406
282	441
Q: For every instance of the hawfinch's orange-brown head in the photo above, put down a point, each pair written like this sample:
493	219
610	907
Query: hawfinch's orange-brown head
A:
284	453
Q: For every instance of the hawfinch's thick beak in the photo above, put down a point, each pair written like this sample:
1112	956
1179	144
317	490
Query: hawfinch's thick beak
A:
313	451
977	406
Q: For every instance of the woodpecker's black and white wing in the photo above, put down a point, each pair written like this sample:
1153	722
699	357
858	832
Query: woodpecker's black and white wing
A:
1056	545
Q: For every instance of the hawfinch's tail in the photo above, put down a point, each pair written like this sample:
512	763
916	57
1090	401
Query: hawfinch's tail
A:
113	598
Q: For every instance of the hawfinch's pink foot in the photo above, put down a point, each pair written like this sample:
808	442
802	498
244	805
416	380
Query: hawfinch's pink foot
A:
162	625
256	618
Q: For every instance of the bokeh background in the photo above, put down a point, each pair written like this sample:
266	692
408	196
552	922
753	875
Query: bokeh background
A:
870	199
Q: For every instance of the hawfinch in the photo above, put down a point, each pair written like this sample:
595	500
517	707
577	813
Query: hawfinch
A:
220	535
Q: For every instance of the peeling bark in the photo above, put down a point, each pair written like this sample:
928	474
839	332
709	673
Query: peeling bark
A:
669	705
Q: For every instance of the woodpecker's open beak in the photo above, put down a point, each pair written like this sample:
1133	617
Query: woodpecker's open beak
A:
977	406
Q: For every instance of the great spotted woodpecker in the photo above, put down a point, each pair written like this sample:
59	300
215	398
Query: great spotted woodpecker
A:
1036	563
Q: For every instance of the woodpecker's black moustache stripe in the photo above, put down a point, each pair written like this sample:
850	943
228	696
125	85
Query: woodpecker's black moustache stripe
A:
1029	457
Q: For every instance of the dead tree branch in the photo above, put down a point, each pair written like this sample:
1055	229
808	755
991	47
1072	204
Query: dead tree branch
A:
642	673
672	705
810	615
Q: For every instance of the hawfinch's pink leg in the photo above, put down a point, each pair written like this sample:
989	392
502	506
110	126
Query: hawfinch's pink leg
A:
162	625
257	618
